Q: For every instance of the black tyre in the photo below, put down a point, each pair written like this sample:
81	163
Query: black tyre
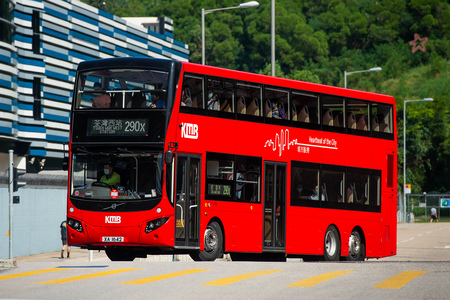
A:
356	247
120	254
332	244
213	244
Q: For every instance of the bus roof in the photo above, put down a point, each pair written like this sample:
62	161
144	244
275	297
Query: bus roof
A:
288	83
133	62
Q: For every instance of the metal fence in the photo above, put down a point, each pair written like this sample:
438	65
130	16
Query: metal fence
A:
418	207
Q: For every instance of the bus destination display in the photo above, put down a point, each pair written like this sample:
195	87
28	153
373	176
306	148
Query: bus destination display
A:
117	127
219	190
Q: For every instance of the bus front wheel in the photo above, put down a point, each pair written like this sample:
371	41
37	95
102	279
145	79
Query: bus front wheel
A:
213	244
332	244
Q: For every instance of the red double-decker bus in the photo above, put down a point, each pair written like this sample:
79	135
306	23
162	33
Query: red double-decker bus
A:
170	157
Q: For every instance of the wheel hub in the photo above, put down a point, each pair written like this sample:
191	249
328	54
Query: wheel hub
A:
211	240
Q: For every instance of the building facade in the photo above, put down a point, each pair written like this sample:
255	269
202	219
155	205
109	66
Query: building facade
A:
41	44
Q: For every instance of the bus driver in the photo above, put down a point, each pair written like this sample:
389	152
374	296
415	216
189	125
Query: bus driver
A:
111	178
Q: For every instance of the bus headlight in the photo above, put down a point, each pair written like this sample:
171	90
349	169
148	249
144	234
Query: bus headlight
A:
75	224
155	224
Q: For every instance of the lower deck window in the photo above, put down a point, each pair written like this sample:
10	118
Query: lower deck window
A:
233	177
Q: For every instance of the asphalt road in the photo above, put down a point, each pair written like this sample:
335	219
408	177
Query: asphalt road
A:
421	270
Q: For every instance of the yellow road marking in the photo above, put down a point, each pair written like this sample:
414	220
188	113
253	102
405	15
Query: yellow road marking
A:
236	278
82	277
31	273
312	281
164	276
399	280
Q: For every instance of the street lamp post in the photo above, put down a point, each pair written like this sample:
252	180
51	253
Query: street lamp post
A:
205	12
404	151
376	69
272	38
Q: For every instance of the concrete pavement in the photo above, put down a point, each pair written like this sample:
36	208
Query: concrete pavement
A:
415	242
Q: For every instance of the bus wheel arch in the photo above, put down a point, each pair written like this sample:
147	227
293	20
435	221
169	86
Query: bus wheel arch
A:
356	245
332	244
213	239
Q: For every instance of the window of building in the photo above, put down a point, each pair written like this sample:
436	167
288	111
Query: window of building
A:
6	26
37	110
36	25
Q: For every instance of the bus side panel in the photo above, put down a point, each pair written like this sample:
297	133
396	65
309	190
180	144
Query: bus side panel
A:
307	226
241	223
305	231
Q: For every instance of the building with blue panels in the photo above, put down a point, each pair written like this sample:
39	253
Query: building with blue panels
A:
41	44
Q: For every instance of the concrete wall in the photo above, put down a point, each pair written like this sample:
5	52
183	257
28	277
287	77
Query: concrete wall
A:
36	220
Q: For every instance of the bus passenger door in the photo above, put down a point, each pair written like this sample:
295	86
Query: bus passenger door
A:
274	206
187	202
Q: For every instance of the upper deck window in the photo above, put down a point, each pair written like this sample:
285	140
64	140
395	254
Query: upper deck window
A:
381	117
276	103
192	94
357	115
122	88
332	112
248	99
304	107
220	95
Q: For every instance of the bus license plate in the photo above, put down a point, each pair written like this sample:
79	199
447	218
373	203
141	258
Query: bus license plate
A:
112	239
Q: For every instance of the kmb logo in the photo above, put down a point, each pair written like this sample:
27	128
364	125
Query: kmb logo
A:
189	131
113	219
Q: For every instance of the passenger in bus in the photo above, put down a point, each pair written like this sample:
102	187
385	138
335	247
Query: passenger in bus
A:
186	97
315	196
157	101
110	177
278	111
102	100
212	101
138	99
301	193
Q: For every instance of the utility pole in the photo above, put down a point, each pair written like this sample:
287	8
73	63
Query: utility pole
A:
11	191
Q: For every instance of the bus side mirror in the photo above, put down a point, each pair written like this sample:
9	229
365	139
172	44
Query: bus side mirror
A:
169	157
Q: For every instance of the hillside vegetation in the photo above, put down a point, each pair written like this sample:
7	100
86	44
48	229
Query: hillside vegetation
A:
316	40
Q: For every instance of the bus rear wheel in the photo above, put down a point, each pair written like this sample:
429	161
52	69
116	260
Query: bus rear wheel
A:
332	244
356	247
213	244
120	254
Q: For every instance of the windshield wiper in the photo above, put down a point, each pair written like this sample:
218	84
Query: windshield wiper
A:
83	150
125	150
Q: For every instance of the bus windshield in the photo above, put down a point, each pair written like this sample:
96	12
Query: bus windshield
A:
116	176
122	88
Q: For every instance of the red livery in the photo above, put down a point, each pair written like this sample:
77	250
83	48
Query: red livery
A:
192	159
